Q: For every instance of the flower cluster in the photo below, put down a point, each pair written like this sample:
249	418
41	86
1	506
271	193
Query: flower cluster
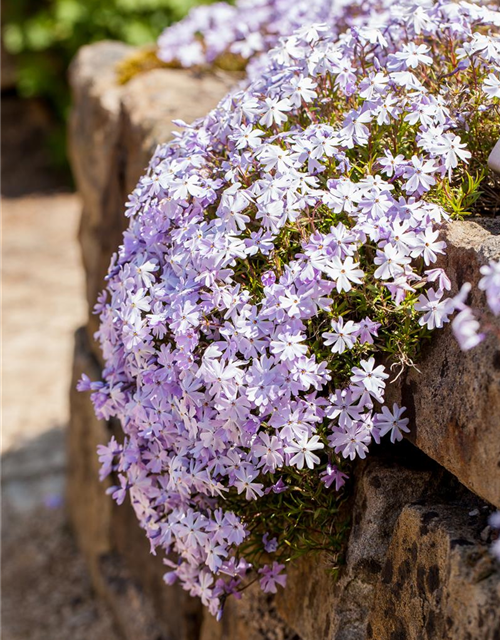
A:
248	28
280	259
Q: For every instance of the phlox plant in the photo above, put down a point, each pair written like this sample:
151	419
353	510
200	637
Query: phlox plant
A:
278	271
215	34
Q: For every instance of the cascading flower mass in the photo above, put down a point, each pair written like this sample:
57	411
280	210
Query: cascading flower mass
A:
278	265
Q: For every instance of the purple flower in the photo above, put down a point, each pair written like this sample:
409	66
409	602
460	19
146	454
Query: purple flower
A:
270	545
436	310
342	337
271	577
273	251
391	422
302	452
490	282
333	475
466	330
351	440
106	456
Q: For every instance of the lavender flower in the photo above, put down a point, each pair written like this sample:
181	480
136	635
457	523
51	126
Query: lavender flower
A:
301	203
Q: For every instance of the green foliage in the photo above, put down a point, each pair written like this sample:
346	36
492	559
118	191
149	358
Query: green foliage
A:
44	35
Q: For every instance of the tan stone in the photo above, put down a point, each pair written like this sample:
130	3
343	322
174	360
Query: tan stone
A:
94	135
94	127
439	580
89	507
453	400
150	102
316	604
254	617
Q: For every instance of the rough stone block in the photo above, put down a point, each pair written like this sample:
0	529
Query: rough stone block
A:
316	604
438	580
417	567
254	617
453	400
88	505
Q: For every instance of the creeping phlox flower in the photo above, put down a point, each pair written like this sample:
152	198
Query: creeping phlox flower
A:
466	326
252	27
280	253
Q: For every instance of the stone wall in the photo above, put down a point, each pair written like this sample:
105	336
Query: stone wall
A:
417	565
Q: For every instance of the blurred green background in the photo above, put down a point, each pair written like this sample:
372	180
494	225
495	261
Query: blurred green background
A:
42	37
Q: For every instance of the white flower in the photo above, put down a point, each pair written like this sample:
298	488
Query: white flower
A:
392	422
411	56
491	86
248	137
303	451
419	175
289	346
274	157
368	376
245	482
275	111
452	149
351	440
302	89
342	337
437	312
344	272
391	261
426	244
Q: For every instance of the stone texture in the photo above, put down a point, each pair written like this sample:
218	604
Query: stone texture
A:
417	567
94	142
113	132
453	400
254	617
438	581
318	606
89	507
